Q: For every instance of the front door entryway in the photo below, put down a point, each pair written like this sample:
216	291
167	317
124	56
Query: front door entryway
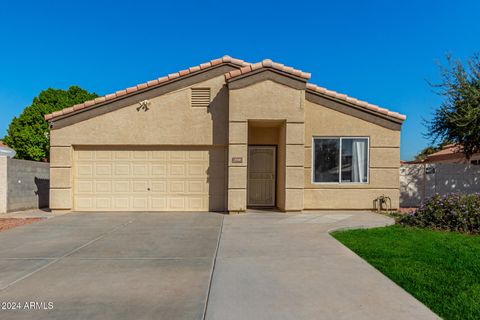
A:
261	176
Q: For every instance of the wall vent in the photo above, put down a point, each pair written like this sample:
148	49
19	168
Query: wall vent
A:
200	97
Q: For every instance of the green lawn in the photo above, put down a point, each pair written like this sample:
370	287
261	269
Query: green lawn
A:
441	269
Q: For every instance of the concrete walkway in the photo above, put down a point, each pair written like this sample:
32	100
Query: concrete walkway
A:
195	266
277	266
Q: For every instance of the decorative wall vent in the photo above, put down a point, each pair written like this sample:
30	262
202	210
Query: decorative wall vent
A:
200	97
144	105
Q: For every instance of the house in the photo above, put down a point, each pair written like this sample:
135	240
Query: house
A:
225	135
6	151
451	153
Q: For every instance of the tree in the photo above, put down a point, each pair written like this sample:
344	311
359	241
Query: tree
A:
458	117
424	153
28	134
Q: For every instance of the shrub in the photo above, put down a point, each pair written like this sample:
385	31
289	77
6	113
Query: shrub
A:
453	212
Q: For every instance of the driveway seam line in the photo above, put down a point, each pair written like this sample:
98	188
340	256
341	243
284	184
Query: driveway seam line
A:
65	255
213	270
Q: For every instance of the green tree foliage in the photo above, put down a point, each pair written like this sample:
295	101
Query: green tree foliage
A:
424	153
28	133
458	118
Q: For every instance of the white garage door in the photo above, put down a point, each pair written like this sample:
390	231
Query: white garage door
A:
144	180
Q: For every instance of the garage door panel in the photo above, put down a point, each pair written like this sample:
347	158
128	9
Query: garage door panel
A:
121	186
121	155
176	186
122	169
140	186
159	170
140	203
140	155
176	155
103	203
195	204
121	203
176	203
140	169
103	186
103	155
158	186
177	170
199	187
197	156
85	186
159	203
196	170
85	155
84	203
85	170
179	180
159	155
103	170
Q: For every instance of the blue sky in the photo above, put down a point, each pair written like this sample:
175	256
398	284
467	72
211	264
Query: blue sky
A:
379	51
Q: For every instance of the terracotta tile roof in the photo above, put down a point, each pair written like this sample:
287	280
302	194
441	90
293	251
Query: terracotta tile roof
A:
447	150
148	84
363	104
267	63
245	68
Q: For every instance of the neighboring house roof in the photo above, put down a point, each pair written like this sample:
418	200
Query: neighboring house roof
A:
244	68
450	151
6	150
446	150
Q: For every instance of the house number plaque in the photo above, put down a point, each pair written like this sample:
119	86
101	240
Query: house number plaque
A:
237	160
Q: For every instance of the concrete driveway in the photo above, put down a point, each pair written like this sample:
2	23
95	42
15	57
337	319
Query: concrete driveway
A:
194	266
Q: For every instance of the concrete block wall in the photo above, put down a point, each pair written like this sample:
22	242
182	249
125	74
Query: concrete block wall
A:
3	184
419	182
23	184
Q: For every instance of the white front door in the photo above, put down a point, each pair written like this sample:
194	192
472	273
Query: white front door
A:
261	176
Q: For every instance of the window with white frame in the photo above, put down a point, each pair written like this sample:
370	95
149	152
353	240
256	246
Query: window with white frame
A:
340	160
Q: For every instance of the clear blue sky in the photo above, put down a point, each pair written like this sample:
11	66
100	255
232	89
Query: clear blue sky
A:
379	51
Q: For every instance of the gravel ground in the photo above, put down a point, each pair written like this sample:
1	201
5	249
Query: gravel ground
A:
9	223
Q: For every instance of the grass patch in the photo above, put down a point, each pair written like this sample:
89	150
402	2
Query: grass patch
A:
441	269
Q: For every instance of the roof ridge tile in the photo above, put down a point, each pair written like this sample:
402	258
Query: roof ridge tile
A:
267	63
245	68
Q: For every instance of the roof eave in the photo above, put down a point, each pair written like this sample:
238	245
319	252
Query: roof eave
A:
346	100
144	87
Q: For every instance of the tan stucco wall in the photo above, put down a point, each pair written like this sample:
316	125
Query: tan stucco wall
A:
281	167
262	135
267	100
384	156
170	120
3	184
